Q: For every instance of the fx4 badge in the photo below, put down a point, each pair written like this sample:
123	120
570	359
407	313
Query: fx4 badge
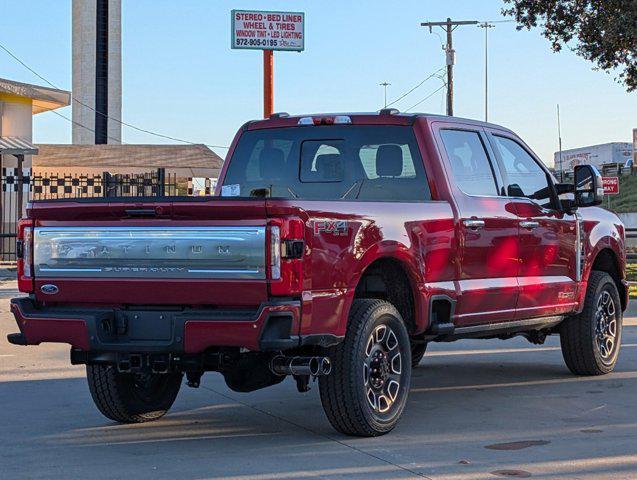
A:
334	227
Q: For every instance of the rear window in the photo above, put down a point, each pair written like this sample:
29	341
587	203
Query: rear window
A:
328	163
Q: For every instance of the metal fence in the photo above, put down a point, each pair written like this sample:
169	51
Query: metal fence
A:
19	186
605	170
147	184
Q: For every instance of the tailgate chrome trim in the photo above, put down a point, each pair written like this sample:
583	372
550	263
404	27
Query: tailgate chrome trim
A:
150	252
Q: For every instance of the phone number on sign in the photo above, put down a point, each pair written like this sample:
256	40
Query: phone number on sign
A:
256	42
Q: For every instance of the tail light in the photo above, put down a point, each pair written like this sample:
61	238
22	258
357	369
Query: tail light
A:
24	254
286	256
275	253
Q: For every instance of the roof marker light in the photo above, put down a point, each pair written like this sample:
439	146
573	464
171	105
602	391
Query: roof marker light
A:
342	119
338	119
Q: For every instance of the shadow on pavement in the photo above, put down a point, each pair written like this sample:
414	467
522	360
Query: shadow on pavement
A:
458	406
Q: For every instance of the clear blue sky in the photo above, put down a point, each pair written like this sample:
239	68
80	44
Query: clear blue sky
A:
181	78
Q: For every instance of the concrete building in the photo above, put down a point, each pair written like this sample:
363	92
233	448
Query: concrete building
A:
18	103
97	71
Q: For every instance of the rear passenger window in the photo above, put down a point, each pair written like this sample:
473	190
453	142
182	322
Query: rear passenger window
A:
469	162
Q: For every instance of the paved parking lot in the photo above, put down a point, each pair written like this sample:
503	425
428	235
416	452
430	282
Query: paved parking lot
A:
477	409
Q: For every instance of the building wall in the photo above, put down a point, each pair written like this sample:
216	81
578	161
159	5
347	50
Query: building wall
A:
16	120
84	70
16	117
598	155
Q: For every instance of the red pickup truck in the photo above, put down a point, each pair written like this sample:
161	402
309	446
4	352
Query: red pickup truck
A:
337	247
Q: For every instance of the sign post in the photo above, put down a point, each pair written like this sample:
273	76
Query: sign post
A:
268	83
611	187
268	31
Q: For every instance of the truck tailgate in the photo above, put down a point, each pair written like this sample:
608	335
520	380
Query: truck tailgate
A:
180	251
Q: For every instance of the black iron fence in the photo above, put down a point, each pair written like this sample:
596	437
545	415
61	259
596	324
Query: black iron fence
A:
157	183
19	186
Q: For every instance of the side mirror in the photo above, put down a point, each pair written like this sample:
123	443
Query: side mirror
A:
589	190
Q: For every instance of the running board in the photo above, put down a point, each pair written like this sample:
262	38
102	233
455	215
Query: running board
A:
495	329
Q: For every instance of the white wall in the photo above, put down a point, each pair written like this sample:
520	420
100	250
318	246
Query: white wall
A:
17	120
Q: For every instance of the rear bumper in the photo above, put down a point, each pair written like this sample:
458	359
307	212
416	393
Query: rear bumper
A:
273	326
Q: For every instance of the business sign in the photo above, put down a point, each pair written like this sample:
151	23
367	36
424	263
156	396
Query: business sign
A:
611	185
257	30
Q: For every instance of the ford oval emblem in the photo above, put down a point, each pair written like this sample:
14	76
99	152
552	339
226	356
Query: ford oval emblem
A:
49	289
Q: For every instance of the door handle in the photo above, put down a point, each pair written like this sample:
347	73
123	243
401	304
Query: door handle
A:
473	223
529	224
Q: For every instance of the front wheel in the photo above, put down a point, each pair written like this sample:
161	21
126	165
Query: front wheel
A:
132	398
591	340
367	390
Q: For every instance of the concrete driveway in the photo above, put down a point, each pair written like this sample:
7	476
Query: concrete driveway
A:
477	409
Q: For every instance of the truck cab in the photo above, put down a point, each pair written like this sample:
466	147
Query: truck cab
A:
336	246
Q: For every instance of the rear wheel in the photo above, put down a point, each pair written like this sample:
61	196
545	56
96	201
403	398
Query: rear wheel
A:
367	390
591	340
132	398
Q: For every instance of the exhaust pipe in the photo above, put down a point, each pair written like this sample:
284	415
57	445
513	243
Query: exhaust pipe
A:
315	366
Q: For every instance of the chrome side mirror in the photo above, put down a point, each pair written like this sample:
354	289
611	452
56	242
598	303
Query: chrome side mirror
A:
589	190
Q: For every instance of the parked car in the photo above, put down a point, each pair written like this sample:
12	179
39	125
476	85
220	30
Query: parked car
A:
337	246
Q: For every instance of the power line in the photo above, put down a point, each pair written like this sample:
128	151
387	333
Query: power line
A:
414	88
427	97
497	21
82	125
51	84
150	132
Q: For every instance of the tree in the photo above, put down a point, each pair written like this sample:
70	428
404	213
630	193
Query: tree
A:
602	31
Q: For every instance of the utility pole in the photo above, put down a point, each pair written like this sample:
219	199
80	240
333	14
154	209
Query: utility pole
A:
486	26
449	26
385	85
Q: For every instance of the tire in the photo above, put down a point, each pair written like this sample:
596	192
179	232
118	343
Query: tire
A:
132	398
586	338
417	352
367	390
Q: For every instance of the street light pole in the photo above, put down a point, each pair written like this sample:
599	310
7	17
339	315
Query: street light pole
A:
486	26
449	26
385	85
559	139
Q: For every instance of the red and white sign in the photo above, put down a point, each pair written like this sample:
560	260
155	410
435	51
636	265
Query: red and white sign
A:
256	30
611	185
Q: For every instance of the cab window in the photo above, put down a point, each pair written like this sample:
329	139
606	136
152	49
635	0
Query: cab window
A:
469	162
525	177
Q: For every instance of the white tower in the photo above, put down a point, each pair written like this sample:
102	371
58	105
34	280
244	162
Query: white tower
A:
97	71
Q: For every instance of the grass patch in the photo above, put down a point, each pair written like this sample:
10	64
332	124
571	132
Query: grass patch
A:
631	276
631	272
626	201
